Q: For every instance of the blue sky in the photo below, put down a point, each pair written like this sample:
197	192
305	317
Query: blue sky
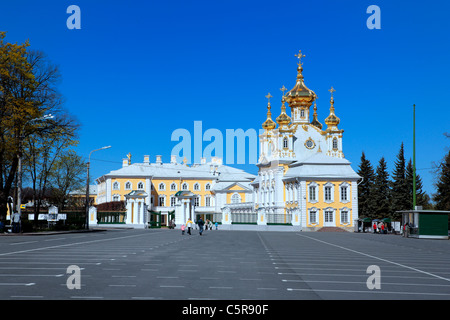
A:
138	70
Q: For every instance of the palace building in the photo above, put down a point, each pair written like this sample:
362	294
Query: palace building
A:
303	183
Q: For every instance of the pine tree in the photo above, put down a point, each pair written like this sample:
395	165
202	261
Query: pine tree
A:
365	188
442	196
400	192
382	191
422	199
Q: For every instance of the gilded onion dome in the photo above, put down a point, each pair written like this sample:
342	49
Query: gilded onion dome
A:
283	118
300	94
316	122
332	120
269	124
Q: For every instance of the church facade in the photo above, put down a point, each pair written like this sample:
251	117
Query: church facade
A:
303	180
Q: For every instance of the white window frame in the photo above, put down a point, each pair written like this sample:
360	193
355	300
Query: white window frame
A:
347	192
173	201
185	186
116	185
163	186
196	186
285	143
140	183
314	211
315	186
197	201
236	198
130	187
329	186
173	186
208	186
163	202
207	201
341	212
114	196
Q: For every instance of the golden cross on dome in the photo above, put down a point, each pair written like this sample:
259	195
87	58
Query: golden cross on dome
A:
283	89
300	56
332	90
269	96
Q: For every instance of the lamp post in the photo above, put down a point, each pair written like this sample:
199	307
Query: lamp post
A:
87	185
414	157
19	162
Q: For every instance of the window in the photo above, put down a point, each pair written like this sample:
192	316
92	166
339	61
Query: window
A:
185	186
128	185
313	216
235	198
197	201
302	113
208	186
116	197
162	201
140	185
173	201
196	187
335	144
344	216
312	192
285	143
208	201
344	193
328	216
116	186
162	186
173	187
328	193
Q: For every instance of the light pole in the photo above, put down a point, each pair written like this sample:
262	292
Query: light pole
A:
414	157
19	162
87	185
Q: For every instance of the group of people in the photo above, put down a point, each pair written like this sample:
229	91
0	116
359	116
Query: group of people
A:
200	223
379	228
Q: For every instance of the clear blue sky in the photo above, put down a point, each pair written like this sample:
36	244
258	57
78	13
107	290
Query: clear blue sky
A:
138	70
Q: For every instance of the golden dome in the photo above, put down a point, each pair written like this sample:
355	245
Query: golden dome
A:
283	118
332	120
316	122
269	124
300	94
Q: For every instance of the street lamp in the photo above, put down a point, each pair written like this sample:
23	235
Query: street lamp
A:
87	185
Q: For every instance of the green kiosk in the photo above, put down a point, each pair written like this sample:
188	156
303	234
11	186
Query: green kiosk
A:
425	224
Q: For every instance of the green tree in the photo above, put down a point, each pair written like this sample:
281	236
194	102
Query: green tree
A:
422	199
365	188
442	196
382	191
400	191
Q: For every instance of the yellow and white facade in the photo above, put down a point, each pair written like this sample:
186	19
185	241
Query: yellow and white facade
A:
303	177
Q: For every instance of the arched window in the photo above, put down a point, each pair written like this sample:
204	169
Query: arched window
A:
162	186
285	143
196	187
140	185
335	144
208	186
173	187
128	185
235	198
302	113
185	186
116	186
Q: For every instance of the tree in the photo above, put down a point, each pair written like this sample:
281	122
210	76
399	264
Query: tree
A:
27	93
400	191
381	191
442	196
365	188
67	176
422	199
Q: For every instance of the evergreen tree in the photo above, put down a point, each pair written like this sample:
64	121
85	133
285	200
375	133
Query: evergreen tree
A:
381	191
422	199
400	192
442	196
365	188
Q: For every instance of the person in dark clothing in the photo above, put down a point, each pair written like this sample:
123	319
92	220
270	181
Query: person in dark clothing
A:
200	223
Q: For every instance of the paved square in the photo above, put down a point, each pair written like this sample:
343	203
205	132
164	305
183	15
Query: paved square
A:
222	265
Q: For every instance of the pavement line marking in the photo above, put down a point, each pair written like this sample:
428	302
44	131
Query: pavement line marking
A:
377	258
373	291
25	242
364	282
27	297
77	243
18	284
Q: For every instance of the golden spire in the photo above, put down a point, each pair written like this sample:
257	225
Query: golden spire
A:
129	158
316	122
332	120
269	124
300	94
283	118
299	55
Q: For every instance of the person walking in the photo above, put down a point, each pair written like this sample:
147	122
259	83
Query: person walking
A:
189	225
200	223
183	227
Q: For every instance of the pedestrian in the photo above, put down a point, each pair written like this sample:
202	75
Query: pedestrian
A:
374	227
183	227
210	225
382	228
200	225
217	225
189	225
